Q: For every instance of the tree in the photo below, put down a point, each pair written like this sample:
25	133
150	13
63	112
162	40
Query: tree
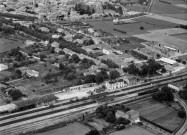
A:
42	56
89	79
121	120
18	73
61	66
158	56
163	70
99	78
15	94
165	95
110	117
183	93
114	74
75	58
93	132
141	28
52	49
182	114
71	77
184	62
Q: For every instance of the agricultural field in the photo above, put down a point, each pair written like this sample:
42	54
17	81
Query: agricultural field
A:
180	36
73	129
166	8
135	130
158	113
9	42
165	37
134	28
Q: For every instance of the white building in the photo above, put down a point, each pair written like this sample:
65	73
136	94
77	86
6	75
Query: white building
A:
174	87
55	44
106	51
55	36
168	61
32	73
3	67
117	84
90	30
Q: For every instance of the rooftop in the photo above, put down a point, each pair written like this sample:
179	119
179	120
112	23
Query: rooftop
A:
167	60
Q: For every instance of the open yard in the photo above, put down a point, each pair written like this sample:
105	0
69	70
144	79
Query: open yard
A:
73	129
10	42
158	113
135	130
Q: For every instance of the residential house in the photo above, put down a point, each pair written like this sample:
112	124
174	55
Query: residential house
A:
120	71
57	50
32	73
107	52
93	70
79	41
55	36
90	30
116	84
45	43
133	116
3	67
55	44
132	80
60	30
97	40
122	114
56	65
29	42
68	37
44	29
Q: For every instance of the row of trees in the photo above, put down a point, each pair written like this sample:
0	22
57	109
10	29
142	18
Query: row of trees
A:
113	7
147	69
183	93
84	9
164	95
102	76
110	63
16	16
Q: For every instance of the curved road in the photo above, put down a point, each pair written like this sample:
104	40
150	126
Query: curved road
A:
182	130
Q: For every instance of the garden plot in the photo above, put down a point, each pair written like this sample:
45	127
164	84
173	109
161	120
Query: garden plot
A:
158	113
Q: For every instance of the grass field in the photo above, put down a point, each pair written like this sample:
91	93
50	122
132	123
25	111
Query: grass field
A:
135	130
10	42
73	129
181	36
158	113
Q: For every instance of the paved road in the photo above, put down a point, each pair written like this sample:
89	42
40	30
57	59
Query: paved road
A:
182	130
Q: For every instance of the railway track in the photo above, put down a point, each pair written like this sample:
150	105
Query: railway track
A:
11	121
